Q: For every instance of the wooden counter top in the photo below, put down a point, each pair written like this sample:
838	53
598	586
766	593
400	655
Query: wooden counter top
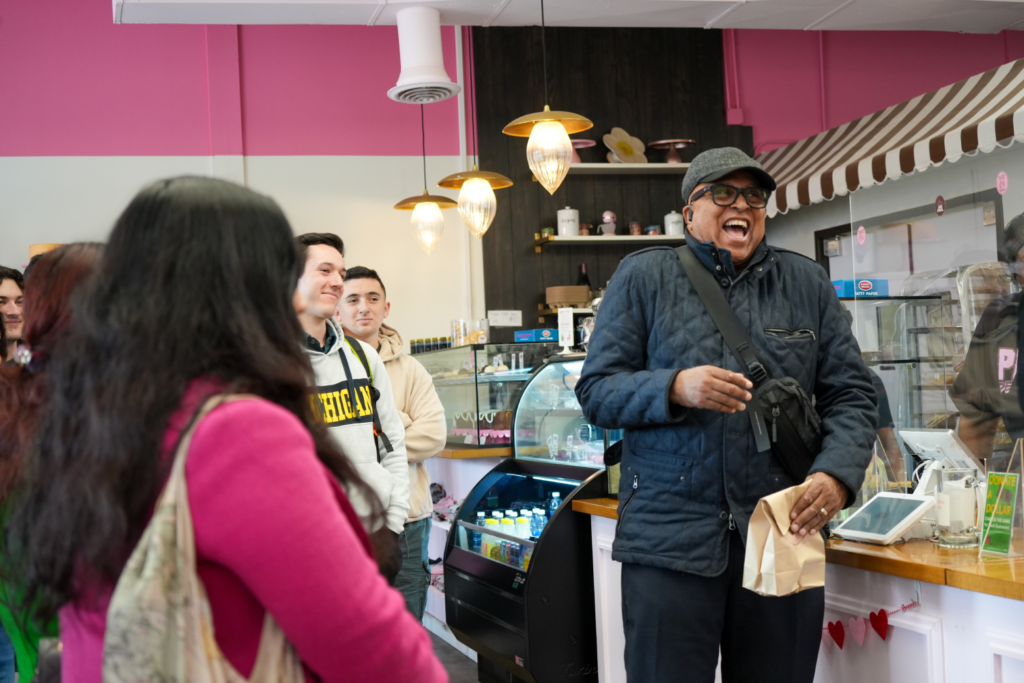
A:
919	560
599	507
468	453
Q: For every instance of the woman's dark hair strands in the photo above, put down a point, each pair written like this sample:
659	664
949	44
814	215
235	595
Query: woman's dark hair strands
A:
195	282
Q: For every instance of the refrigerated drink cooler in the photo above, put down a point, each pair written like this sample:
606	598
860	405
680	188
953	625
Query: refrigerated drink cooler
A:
518	566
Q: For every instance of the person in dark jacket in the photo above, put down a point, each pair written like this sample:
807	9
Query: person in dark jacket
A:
691	472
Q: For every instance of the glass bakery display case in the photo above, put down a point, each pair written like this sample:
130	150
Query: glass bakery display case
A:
910	345
549	425
478	384
930	265
518	569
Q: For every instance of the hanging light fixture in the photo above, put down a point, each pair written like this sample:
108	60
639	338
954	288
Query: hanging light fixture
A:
477	204
549	151
427	221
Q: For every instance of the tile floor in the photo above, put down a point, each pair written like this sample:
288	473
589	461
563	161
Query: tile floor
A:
460	668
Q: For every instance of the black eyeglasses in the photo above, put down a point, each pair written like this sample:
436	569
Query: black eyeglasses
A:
726	195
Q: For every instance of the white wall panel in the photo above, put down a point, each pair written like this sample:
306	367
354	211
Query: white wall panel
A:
353	197
64	199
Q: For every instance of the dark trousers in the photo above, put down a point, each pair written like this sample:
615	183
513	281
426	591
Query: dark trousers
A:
413	578
675	624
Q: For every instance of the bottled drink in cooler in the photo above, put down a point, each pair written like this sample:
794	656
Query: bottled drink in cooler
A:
527	554
487	540
508	526
523	528
475	538
540	520
554	502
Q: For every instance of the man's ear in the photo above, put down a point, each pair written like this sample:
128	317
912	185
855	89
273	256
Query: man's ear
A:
387	308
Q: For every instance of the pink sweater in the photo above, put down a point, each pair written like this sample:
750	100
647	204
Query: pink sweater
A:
275	532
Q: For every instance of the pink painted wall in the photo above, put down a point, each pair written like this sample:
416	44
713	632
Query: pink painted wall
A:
322	90
790	85
72	83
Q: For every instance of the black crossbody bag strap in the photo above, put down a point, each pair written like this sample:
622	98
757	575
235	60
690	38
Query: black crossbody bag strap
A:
378	430
735	336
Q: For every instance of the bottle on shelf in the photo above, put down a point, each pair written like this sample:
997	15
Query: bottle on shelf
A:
540	520
447	342
523	528
554	502
487	540
583	280
476	540
497	514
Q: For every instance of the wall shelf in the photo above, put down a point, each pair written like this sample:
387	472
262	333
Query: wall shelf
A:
651	240
628	169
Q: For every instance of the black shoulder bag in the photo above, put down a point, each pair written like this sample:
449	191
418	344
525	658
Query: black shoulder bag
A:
793	429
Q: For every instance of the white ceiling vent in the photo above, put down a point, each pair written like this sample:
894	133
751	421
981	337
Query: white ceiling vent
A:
423	79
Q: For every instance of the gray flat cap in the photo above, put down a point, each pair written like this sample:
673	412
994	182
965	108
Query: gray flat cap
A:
715	164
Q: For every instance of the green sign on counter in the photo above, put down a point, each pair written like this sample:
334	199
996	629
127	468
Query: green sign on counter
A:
999	507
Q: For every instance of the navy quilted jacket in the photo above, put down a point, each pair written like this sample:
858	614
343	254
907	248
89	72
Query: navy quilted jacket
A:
687	474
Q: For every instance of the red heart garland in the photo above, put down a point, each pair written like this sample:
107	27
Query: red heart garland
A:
880	622
838	633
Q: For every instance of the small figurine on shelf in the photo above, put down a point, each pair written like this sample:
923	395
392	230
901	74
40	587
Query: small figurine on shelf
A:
608	224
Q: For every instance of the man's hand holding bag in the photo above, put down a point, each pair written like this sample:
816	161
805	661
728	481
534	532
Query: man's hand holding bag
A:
779	562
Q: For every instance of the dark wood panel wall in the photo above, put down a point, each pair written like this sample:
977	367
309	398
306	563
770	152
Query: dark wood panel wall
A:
655	83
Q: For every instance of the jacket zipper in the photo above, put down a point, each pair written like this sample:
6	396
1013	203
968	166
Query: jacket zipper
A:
802	333
636	483
775	420
732	523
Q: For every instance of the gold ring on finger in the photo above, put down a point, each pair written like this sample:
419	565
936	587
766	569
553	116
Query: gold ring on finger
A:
824	512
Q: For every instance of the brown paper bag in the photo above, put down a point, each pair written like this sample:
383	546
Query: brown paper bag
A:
778	562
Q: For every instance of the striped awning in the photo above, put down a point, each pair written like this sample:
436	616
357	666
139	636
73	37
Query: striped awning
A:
977	114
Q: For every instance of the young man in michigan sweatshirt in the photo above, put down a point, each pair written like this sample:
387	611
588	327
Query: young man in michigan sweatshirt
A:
362	311
343	396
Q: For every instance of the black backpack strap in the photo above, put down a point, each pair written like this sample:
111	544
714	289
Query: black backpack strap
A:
378	430
733	332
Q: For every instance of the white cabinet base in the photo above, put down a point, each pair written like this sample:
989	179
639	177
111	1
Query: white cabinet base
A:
953	636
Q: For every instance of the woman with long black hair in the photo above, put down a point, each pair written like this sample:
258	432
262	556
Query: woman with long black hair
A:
24	397
194	299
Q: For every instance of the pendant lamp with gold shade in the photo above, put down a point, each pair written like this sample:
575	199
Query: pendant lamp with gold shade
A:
549	151
427	220
477	203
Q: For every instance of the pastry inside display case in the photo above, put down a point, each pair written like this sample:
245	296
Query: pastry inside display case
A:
478	384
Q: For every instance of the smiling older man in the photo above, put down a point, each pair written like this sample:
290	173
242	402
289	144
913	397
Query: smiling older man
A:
691	470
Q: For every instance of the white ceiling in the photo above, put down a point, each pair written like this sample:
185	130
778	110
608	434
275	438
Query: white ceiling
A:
967	16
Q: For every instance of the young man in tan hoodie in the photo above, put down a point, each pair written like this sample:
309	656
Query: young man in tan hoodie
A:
362	311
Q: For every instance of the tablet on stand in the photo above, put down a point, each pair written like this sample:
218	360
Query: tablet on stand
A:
885	518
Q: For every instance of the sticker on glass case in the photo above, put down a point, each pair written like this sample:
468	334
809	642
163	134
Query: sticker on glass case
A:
1002	182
